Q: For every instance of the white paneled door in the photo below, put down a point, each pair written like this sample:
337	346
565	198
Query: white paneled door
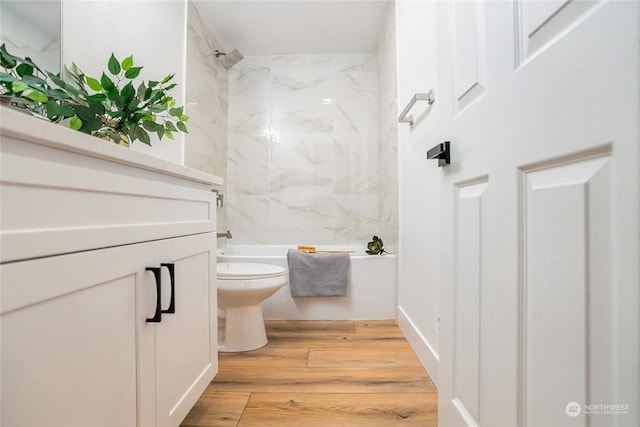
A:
540	209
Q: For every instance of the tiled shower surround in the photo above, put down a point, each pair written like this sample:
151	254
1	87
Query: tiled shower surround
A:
206	103
303	150
388	130
307	144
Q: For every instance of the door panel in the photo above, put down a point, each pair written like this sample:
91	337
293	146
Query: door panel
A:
69	344
567	323
186	341
467	21
468	282
540	283
540	23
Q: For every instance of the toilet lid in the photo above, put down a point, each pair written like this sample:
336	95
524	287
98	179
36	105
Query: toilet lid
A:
248	271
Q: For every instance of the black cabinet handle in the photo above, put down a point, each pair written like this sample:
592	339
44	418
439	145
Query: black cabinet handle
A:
172	303
157	317
440	152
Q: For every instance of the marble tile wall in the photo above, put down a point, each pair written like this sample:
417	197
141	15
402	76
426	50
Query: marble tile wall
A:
303	149
206	103
26	36
388	131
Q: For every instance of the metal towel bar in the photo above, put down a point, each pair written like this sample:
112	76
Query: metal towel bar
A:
417	97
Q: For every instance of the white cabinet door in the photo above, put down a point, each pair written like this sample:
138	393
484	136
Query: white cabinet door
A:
68	325
186	341
539	227
76	347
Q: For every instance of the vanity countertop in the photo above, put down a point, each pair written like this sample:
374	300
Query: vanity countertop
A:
19	125
64	192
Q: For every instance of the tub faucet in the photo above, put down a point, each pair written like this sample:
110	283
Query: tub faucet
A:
227	235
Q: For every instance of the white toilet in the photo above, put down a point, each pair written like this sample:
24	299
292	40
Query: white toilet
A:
241	289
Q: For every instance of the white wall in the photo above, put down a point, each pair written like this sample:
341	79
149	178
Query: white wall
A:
153	31
419	268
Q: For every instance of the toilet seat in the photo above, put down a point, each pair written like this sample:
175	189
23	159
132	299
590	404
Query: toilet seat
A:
248	271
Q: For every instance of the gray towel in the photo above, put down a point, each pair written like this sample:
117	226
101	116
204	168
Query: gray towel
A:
318	274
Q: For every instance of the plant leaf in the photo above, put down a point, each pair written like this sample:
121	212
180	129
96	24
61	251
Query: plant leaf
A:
157	108
143	136
6	78
127	62
6	59
91	125
53	109
15	59
156	96
75	92
132	132
57	80
120	101
75	123
133	104
109	86
128	92
171	86
141	90
19	86
85	113
107	83
167	78
184	118
24	70
170	127
151	126
97	98
66	110
176	112
93	83
113	65
97	108
182	127
132	72
115	113
28	61
34	81
58	94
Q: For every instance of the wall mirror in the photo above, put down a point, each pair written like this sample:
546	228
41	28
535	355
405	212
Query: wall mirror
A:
33	28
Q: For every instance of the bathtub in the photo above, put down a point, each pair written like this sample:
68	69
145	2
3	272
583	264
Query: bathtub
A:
371	290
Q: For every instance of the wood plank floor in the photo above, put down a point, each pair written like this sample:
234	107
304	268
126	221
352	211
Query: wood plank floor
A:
321	374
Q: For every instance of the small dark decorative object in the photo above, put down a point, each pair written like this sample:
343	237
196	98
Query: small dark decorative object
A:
375	247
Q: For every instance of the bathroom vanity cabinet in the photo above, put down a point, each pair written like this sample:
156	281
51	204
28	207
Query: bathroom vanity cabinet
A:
89	230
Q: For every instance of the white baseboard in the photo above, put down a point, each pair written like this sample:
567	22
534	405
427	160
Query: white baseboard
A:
427	355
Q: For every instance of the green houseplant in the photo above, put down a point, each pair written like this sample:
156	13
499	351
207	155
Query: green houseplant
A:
112	107
376	247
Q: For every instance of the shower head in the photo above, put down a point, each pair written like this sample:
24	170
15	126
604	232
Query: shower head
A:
230	59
